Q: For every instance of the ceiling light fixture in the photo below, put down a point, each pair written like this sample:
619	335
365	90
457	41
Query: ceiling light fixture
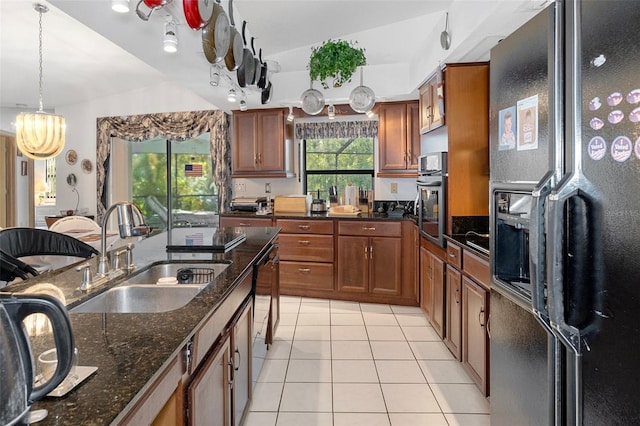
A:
170	42
331	112
120	6
231	95
214	76
370	113
40	135
290	117
243	105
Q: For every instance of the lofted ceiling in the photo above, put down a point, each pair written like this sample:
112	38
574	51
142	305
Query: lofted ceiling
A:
91	52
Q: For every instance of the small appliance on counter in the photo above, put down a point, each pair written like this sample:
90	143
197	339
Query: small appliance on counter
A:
247	204
318	205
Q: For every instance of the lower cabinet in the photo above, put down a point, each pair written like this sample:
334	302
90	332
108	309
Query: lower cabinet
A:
475	340
453	334
241	344
432	279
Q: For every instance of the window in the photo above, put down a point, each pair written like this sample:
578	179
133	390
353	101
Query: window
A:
337	162
142	178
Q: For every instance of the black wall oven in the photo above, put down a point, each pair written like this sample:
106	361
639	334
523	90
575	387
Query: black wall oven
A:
432	197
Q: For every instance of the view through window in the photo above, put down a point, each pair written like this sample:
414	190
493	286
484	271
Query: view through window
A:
337	162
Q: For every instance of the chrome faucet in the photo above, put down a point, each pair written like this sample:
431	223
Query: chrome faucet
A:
126	228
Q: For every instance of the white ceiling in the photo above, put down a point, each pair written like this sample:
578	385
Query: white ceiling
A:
91	52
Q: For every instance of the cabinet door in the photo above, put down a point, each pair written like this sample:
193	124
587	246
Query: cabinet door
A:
241	361
245	156
437	310
413	135
209	392
392	136
426	284
353	264
410	261
474	336
454	312
437	101
271	140
425	107
385	260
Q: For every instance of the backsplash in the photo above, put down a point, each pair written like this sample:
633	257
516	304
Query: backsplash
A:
462	224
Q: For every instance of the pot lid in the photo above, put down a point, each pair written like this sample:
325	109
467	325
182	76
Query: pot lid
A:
312	101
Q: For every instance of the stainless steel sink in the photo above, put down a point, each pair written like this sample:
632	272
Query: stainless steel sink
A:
140	298
141	294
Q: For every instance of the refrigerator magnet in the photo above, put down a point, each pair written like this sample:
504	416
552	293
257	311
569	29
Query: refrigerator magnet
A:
507	128
527	123
621	149
597	148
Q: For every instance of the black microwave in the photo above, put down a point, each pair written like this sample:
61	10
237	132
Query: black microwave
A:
433	163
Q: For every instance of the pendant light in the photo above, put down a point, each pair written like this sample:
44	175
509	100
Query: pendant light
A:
40	135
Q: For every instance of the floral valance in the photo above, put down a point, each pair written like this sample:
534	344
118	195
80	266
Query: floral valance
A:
337	129
178	126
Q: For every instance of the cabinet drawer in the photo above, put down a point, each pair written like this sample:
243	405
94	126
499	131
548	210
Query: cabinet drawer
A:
310	248
454	255
366	228
477	268
306	275
244	221
290	226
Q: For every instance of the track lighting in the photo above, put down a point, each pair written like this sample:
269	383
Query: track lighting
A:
331	112
214	76
370	113
231	95
243	105
290	117
170	37
120	6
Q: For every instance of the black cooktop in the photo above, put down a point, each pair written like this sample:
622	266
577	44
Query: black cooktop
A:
217	240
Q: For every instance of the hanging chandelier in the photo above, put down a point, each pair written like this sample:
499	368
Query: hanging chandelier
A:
40	135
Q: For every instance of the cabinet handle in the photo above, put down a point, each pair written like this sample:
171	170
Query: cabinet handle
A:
371	252
245	224
255	159
239	358
489	326
452	254
457	296
304	242
231	373
366	251
481	317
259	157
368	228
305	270
304	226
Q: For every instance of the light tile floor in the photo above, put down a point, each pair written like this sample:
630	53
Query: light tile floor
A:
337	363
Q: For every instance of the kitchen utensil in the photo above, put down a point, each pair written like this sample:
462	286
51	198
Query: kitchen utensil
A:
445	37
233	58
246	70
312	101
266	94
17	389
216	35
197	12
263	78
318	205
333	194
362	98
151	6
256	63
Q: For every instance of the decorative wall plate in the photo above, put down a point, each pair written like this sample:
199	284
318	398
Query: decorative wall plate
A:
71	157
87	166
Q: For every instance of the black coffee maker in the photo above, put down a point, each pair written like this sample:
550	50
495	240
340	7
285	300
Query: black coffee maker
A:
17	391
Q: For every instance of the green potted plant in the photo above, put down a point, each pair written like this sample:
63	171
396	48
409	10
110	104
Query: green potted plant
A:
337	59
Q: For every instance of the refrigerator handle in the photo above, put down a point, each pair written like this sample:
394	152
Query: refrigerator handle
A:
537	253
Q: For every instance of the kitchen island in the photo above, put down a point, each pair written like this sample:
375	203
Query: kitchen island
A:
136	353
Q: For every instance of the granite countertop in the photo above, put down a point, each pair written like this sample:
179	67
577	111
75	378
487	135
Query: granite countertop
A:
473	242
130	350
325	215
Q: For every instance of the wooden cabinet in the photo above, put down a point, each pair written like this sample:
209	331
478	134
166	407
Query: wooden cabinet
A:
262	144
410	261
306	257
453	323
369	257
241	344
209	394
432	284
475	340
226	221
398	139
432	103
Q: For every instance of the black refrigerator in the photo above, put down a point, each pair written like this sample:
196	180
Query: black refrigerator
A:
565	217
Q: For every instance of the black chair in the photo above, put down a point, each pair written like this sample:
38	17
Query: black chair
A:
20	242
10	268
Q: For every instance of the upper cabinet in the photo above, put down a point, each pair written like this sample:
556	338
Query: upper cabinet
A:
398	139
432	103
262	144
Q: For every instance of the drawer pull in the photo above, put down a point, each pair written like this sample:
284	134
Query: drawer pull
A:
304	242
304	226
451	254
245	224
368	228
481	317
304	270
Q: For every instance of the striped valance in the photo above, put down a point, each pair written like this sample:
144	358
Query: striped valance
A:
337	129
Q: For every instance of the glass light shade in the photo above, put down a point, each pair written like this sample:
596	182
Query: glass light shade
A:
40	135
120	6
231	95
170	43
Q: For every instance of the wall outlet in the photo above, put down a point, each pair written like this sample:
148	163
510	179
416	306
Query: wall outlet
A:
267	188
394	187
241	187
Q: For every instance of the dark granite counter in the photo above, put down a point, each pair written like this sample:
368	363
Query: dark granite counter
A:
130	350
325	215
477	243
